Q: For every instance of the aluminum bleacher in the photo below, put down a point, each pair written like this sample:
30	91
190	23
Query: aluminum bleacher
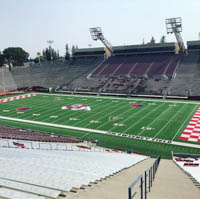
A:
48	173
53	74
12	194
188	71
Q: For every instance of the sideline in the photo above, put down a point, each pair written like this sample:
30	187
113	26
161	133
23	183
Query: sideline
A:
114	98
103	132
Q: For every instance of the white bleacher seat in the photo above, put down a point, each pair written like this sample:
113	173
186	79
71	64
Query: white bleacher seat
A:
60	170
29	188
12	194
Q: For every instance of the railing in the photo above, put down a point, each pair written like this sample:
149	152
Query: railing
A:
144	181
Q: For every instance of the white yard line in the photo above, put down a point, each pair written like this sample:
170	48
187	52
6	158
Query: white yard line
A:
153	110
105	123
69	114
130	99
167	109
128	118
93	116
101	132
185	121
168	121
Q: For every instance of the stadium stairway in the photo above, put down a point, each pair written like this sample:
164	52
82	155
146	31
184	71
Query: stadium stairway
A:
115	187
170	183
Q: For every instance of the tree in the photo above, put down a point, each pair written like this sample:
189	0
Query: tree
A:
67	55
163	39
73	51
1	59
15	55
50	54
58	54
36	60
47	54
153	41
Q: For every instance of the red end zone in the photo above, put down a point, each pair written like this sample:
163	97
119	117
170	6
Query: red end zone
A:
192	131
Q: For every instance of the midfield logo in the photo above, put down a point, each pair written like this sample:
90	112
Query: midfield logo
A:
76	107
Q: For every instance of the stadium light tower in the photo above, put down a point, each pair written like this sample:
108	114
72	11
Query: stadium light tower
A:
96	34
174	25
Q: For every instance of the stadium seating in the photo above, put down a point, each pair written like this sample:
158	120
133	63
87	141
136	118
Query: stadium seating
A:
7	82
28	144
23	134
53	74
139	65
188	71
154	74
8	193
47	173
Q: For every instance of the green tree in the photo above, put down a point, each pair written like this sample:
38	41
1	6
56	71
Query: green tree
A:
1	59
42	59
15	55
73	51
50	54
67	55
47	54
153	41
58	54
163	39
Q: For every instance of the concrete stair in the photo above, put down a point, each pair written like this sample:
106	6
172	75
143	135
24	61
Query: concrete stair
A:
171	183
115	187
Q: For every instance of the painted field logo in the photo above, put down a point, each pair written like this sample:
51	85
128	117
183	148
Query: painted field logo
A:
76	107
111	118
136	105
22	109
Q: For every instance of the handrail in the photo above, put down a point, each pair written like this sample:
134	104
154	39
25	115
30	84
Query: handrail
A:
148	176
130	196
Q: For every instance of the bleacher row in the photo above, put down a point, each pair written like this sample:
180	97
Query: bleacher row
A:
53	74
24	134
37	174
139	65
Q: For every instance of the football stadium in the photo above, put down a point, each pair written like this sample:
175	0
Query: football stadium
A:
109	122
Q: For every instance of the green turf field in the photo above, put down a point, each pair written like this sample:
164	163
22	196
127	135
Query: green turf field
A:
156	119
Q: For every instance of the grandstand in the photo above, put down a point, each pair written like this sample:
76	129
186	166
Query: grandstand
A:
141	69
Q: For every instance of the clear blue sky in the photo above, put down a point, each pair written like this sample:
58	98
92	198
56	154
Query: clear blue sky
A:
30	23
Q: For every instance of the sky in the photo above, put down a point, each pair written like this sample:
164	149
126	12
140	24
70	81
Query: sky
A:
31	23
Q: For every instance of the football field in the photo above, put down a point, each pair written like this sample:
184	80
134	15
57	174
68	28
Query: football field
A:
144	125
